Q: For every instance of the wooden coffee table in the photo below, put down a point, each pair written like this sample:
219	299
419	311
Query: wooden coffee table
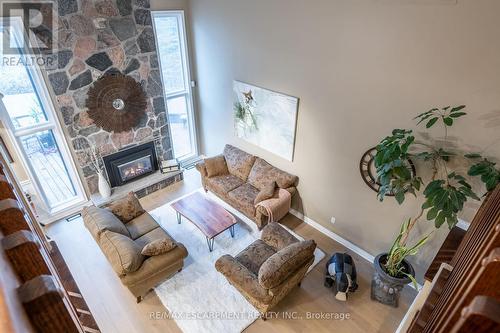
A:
210	217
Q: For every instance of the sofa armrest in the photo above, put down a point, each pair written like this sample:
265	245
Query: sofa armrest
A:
292	280
241	278
292	190
278	206
202	168
276	236
155	265
278	267
261	210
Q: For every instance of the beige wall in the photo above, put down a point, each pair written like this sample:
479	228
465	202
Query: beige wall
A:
169	4
360	68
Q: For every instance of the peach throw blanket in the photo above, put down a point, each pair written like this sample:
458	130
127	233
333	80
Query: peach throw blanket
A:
278	206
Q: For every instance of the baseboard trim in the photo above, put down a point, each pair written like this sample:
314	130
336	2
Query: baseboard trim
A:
339	239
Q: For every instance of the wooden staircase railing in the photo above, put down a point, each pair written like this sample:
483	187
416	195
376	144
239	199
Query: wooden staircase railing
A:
468	297
37	291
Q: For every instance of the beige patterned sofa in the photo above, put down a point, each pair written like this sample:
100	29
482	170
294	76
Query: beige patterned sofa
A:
123	244
244	177
267	270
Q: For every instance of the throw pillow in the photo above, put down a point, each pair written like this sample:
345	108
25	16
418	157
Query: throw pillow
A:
97	220
128	208
267	192
122	252
216	166
159	246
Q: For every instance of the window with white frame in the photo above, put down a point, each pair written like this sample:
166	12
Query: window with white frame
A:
170	30
28	113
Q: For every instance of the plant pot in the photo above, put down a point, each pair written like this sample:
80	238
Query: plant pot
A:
385	288
103	186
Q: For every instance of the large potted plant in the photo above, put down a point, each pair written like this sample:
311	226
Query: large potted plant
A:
445	193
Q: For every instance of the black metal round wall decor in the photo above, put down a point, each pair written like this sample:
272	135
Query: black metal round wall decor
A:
369	172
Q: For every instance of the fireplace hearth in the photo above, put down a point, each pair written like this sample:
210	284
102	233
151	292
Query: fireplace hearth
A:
131	164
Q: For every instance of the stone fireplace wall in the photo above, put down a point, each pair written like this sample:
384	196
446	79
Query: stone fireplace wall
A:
98	37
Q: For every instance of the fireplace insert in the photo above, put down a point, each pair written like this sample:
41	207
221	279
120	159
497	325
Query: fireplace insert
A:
130	164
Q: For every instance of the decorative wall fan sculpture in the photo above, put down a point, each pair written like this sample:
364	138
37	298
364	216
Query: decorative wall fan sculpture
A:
116	103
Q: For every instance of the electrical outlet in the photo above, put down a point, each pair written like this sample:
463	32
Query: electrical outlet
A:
333	220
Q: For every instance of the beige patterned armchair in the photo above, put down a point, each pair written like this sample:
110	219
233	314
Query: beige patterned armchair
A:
267	270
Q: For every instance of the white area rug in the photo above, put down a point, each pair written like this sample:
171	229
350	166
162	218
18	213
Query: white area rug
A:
199	298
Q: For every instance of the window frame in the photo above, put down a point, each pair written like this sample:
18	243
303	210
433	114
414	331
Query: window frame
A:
188	82
41	86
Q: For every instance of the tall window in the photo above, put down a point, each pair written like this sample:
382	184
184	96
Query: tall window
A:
27	111
174	64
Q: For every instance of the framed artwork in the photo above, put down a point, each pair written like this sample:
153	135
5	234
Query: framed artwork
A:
265	118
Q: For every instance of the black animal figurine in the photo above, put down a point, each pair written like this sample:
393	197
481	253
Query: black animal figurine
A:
341	274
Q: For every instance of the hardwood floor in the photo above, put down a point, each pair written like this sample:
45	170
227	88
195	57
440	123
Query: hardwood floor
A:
116	310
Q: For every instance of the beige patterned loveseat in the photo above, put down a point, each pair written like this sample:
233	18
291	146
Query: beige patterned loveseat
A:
122	244
243	177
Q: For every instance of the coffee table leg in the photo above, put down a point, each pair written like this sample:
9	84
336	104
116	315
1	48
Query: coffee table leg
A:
178	217
210	242
231	230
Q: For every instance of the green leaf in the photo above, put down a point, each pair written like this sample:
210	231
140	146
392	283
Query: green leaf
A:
458	114
413	250
472	155
490	176
451	221
417	181
448	121
457	108
406	145
404	226
413	281
435	194
459	177
426	113
477	169
464	183
402	172
432	213
438	222
426	204
491	183
468	192
435	184
424	118
431	122
454	200
441	199
400	197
